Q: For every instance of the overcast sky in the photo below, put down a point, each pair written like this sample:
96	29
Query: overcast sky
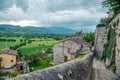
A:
75	14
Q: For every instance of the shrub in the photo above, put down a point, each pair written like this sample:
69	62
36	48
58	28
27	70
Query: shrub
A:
101	25
3	73
113	67
13	74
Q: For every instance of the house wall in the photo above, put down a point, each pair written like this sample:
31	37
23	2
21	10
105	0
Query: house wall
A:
61	50
6	60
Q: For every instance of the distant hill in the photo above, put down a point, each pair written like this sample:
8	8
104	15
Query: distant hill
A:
13	28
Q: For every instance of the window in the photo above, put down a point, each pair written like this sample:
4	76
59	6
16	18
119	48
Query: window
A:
68	50
11	60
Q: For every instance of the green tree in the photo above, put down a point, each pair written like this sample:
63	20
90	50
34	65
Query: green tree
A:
89	37
112	5
34	58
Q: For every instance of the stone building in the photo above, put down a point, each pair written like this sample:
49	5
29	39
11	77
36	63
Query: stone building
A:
100	40
69	49
8	58
22	66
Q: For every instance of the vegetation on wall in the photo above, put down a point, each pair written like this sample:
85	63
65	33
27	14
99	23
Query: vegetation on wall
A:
117	22
109	45
103	22
100	25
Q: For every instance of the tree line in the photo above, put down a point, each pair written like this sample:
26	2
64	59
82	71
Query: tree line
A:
8	40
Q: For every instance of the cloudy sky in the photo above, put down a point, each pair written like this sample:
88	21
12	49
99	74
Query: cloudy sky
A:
75	14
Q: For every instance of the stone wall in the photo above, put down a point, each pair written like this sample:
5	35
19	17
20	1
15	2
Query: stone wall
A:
100	40
61	49
117	42
73	70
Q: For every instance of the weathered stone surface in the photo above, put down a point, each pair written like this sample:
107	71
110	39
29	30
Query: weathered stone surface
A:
69	49
100	40
73	70
98	64
99	71
102	74
117	47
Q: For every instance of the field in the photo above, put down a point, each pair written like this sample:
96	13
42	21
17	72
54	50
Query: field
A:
36	45
6	44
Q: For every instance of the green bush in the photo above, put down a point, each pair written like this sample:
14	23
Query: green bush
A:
101	25
13	74
113	68
3	73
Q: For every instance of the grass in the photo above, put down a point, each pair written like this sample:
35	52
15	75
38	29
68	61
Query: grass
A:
37	45
80	57
41	64
29	50
8	44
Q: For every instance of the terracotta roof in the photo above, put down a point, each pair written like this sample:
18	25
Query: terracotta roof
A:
8	51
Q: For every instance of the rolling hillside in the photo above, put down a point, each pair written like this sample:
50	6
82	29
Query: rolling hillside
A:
17	29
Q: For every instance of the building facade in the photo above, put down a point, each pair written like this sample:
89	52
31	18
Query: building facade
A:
69	49
8	58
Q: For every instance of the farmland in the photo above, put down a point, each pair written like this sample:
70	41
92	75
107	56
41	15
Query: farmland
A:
6	44
36	44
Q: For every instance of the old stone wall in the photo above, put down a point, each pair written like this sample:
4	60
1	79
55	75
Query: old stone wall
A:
60	50
73	70
115	23
100	40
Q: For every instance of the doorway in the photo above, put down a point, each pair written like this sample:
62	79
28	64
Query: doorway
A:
65	58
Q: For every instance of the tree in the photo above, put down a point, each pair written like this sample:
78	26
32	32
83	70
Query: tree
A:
112	5
34	58
104	21
89	37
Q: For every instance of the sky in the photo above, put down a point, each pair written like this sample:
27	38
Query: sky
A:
74	14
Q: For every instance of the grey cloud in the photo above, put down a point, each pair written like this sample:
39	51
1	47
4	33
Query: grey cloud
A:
24	4
7	4
66	13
